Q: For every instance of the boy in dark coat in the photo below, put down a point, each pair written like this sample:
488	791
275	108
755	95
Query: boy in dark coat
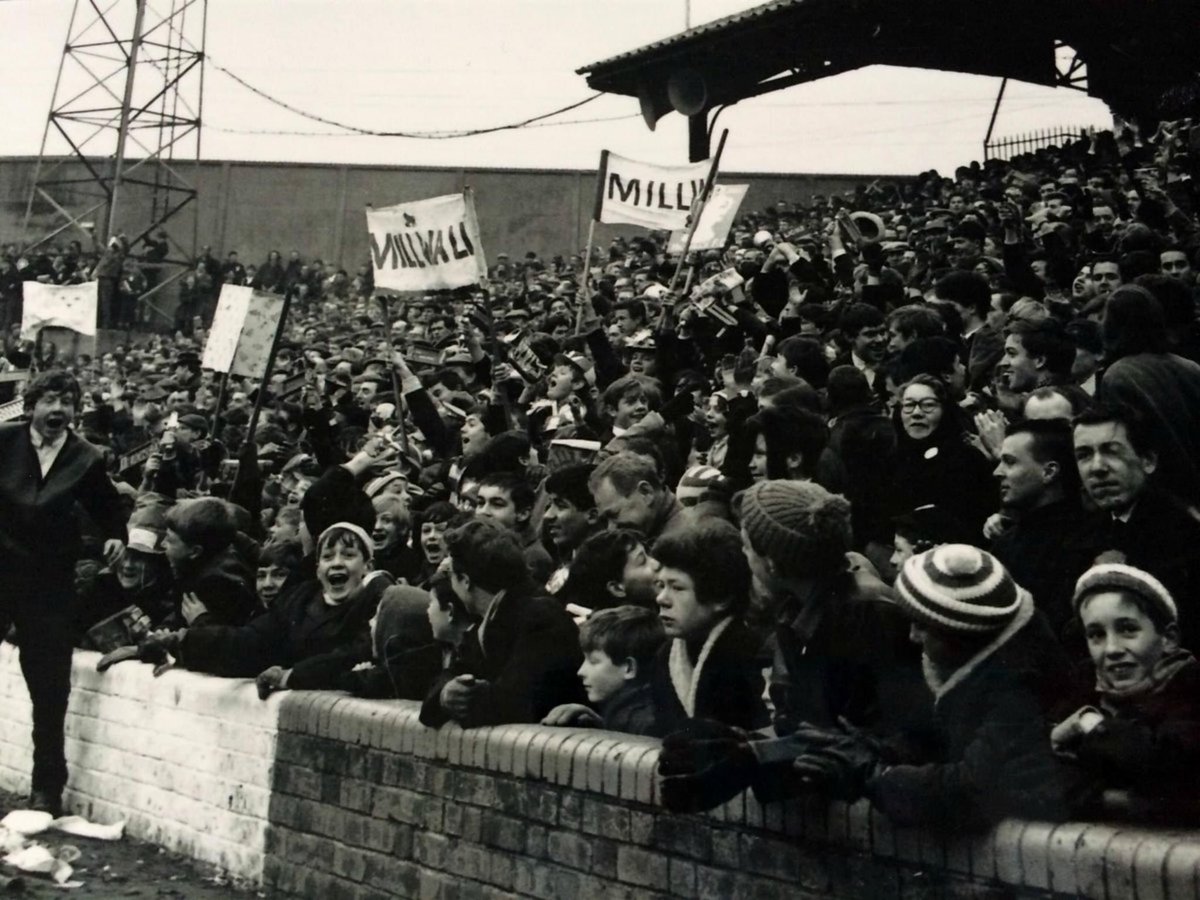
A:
1139	743
711	668
619	645
216	585
519	661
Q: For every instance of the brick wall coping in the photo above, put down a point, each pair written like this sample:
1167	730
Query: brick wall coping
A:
1084	859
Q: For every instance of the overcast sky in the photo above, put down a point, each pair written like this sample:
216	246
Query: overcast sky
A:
460	64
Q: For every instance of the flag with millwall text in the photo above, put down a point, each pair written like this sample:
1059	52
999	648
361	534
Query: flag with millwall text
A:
427	245
637	193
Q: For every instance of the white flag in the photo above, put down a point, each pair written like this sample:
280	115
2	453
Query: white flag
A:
715	219
427	245
638	193
59	305
243	330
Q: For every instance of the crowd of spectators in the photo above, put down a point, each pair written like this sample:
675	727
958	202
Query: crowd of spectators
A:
900	506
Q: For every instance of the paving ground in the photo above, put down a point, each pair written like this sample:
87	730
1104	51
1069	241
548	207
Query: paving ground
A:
124	868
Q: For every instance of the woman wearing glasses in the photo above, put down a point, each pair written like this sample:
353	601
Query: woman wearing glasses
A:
934	461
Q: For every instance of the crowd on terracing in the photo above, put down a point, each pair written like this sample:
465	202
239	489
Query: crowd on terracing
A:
898	506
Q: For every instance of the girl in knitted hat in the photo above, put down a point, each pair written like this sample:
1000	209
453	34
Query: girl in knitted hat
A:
1139	741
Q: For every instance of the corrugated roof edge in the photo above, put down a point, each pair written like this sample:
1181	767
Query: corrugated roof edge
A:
756	12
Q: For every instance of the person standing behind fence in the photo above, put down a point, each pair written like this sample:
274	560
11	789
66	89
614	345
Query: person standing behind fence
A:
45	472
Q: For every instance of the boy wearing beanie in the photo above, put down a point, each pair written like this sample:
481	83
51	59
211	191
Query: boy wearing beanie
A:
1139	742
996	674
841	644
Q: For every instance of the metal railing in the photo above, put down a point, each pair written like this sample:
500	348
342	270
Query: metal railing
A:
1015	145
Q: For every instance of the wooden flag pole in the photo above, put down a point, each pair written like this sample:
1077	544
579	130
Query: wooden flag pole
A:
216	416
694	221
387	338
584	294
266	379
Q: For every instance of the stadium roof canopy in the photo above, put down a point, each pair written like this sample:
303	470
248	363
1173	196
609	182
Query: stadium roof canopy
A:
1134	51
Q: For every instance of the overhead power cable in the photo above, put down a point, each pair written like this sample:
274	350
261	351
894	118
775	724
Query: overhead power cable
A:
342	134
420	135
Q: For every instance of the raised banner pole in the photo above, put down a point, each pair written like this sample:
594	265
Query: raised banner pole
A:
387	339
220	407
694	219
584	293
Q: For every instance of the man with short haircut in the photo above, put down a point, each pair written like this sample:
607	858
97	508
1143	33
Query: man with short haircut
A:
971	297
1105	277
630	316
519	660
1138	522
908	323
1174	262
507	499
1036	354
48	472
863	327
611	568
1039	494
570	516
630	493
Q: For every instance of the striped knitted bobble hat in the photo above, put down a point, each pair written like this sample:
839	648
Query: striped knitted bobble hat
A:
1120	577
960	588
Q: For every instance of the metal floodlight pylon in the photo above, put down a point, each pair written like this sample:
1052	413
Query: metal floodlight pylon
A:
121	148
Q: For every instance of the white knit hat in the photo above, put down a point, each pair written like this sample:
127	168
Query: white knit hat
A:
1120	577
357	530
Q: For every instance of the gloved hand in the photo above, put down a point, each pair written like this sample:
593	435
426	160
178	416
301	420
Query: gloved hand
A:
160	647
271	680
110	659
840	770
740	408
703	765
157	643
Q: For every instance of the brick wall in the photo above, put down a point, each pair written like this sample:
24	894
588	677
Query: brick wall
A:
363	802
186	759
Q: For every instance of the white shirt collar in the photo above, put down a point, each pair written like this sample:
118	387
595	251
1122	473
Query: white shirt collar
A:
40	442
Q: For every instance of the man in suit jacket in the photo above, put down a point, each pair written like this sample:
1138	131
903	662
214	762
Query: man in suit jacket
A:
47	472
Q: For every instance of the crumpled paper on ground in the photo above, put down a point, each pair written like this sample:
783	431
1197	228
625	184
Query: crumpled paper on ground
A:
37	860
21	854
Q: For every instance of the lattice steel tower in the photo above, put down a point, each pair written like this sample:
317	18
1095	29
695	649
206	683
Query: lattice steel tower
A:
122	142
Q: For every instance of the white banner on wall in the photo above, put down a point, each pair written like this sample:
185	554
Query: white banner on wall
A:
638	193
59	305
427	245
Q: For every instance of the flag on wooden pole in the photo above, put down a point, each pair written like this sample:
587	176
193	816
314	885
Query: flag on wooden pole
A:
637	193
427	245
243	330
716	220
